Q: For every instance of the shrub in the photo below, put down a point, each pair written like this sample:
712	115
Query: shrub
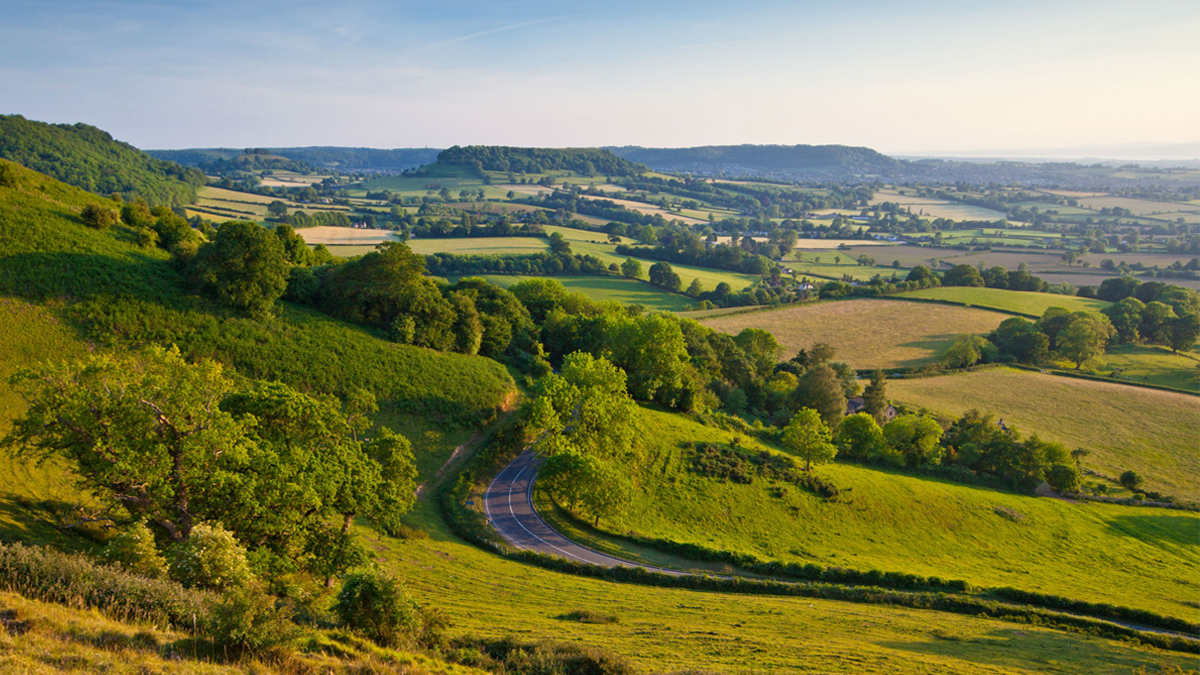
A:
76	581
1130	480
246	617
590	616
134	551
210	558
99	217
374	604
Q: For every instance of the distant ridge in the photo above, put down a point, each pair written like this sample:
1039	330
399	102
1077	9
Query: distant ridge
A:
318	156
780	161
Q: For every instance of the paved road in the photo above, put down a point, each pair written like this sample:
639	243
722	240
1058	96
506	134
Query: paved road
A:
508	504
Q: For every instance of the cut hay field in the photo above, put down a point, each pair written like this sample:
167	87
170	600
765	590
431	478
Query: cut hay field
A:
480	245
867	333
648	209
666	630
821	245
1017	302
627	291
935	208
890	521
345	236
1153	432
1139	207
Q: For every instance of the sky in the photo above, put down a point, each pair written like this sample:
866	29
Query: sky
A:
918	77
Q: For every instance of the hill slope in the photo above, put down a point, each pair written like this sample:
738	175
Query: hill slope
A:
586	161
90	158
321	157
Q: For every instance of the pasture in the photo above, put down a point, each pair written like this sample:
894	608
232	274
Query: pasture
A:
668	630
1151	365
1149	431
891	521
1016	302
648	209
868	333
931	207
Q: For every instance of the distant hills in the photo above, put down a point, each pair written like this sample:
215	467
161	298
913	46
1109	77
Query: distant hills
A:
317	157
586	161
89	158
777	161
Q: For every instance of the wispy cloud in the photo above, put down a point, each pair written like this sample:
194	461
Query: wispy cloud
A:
490	31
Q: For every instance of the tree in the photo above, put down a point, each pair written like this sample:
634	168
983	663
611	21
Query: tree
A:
967	350
585	483
1021	339
144	430
1157	319
99	217
1131	480
821	390
915	438
586	410
662	275
1063	478
1085	337
875	400
1185	330
860	437
244	267
808	437
1116	289
962	275
277	209
695	288
375	604
631	268
1126	318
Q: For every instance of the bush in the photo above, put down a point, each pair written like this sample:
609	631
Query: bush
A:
134	551
76	581
1130	480
246	617
375	605
99	217
210	558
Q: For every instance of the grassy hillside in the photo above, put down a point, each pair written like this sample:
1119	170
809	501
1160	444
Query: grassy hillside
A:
1017	302
41	638
1152	432
867	333
89	158
627	291
121	294
895	522
1152	365
666	630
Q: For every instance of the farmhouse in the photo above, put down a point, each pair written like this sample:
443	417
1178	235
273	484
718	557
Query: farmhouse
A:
856	405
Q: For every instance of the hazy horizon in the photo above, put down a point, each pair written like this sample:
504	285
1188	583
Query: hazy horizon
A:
930	78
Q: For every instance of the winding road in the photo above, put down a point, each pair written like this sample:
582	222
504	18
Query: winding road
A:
508	505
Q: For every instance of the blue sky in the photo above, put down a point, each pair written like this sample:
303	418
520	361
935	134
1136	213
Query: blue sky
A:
932	76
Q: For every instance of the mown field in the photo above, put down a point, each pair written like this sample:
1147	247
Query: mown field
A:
1149	431
931	207
664	630
867	333
890	521
1017	302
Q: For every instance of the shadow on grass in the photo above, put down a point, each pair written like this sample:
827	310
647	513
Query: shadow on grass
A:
934	344
1040	650
1157	528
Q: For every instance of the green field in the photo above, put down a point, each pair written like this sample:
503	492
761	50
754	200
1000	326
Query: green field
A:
1150	431
1016	302
665	630
893	522
868	333
596	243
1152	365
480	245
627	291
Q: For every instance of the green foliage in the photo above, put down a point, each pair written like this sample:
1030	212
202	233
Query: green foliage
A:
875	398
1084	338
244	267
1131	480
915	438
585	409
860	438
99	217
247	618
808	437
967	350
211	558
821	390
631	268
89	158
587	161
74	580
374	604
134	551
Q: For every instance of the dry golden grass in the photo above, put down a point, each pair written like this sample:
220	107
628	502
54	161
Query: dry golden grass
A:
326	234
1156	433
867	333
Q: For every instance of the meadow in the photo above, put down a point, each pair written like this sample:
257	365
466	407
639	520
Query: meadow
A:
669	630
1149	431
868	333
1152	365
890	521
1015	302
931	207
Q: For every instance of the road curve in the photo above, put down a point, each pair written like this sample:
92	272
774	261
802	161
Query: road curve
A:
508	504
